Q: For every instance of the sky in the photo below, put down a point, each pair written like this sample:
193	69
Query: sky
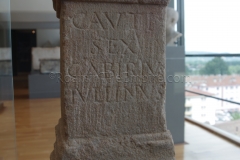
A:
212	26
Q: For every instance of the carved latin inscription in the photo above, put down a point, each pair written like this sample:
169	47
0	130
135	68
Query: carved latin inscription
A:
116	20
113	78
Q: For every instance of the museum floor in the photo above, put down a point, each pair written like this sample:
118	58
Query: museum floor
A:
35	121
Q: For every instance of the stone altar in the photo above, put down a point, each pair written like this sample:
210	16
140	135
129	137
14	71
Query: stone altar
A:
49	66
39	53
112	81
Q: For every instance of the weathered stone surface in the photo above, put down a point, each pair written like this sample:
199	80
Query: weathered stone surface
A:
49	66
43	53
57	3
113	88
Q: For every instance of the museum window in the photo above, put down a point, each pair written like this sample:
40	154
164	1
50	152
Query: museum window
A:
212	56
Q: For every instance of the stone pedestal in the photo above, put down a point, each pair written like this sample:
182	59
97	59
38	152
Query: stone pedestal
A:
112	81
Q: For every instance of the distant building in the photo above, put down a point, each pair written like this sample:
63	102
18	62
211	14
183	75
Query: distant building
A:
200	108
224	87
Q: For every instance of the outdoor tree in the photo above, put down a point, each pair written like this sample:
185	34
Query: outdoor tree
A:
234	69
188	71
215	67
235	115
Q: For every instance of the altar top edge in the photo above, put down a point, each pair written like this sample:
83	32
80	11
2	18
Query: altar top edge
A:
57	3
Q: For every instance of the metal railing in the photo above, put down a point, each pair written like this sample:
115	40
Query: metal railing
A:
212	55
212	97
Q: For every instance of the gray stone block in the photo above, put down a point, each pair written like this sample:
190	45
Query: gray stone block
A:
50	66
113	84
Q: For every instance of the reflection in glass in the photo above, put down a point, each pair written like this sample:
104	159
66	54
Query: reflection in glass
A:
7	117
212	26
213	91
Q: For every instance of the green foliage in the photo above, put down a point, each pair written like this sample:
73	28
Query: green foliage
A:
234	69
233	62
215	67
188	71
197	66
235	115
193	65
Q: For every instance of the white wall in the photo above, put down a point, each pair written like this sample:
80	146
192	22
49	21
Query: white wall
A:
28	11
4	22
45	35
4	6
4	10
32	6
30	14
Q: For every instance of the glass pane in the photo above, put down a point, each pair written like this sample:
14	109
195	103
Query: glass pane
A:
212	26
213	92
7	117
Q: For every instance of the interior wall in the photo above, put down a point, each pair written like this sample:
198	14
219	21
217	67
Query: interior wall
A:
45	36
4	33
4	6
32	6
175	94
2	39
33	14
171	3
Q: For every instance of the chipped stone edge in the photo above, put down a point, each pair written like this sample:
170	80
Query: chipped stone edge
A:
57	3
65	147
